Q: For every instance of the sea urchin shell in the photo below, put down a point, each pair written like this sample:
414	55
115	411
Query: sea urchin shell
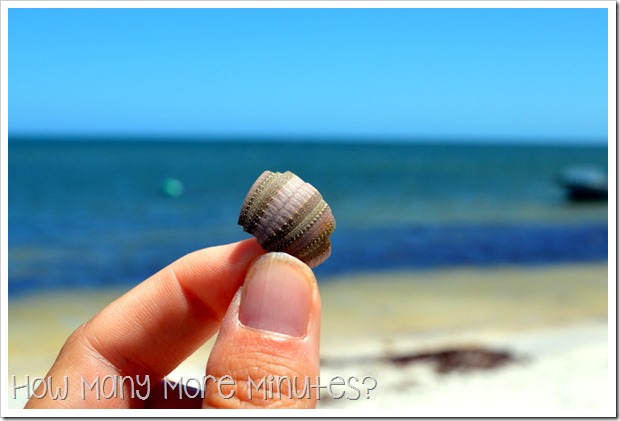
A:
287	214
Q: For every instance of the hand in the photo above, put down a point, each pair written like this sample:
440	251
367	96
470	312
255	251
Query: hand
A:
269	327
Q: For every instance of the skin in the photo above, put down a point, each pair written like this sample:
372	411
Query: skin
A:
155	326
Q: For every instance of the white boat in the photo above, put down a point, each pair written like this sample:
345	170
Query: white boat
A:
583	183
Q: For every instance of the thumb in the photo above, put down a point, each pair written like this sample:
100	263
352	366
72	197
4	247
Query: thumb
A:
267	351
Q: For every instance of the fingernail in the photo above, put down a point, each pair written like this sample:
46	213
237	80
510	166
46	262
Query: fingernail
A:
277	295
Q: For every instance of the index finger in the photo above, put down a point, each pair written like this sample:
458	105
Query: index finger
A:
159	323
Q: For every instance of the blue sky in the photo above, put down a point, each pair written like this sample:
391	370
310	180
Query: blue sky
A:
375	73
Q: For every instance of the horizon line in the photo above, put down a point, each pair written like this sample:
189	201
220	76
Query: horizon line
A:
299	138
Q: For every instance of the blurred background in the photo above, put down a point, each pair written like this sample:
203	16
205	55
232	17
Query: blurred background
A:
88	214
464	153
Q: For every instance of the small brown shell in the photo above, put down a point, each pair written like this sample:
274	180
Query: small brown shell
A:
287	214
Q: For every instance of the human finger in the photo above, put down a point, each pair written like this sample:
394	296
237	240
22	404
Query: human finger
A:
150	330
269	340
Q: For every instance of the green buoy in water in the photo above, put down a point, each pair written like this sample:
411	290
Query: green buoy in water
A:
172	187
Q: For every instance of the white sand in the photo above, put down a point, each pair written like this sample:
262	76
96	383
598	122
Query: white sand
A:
554	319
561	370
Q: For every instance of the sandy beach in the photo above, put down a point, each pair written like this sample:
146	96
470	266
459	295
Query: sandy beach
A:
466	341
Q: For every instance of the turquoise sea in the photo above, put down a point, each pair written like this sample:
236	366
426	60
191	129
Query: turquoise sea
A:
86	214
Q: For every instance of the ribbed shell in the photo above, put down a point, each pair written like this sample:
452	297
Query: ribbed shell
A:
286	214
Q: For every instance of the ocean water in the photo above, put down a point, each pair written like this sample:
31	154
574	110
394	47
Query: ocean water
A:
86	214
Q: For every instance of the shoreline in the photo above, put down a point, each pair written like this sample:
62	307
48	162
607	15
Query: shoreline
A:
554	316
447	302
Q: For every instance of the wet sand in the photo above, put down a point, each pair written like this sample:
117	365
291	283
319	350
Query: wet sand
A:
400	327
